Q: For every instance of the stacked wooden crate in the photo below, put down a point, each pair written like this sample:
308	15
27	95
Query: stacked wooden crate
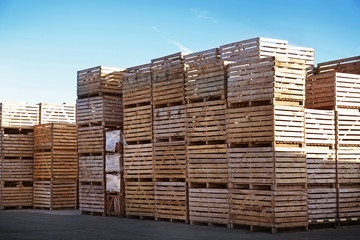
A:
138	153
57	113
168	99
55	166
16	153
99	109
345	65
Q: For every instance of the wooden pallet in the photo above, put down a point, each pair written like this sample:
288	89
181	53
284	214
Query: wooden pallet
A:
138	124
140	199
17	194
138	161
55	137
91	168
171	200
59	194
99	79
17	145
322	202
266	79
206	121
321	165
349	201
348	127
170	160
207	163
209	205
342	91
205	76
92	197
169	123
91	139
345	65
319	127
168	80
106	110
137	86
18	114
17	169
57	113
348	165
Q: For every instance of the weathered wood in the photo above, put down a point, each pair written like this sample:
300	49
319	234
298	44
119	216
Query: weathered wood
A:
17	194
138	123
169	123
140	199
345	65
138	161
322	202
18	115
321	166
319	127
57	113
92	197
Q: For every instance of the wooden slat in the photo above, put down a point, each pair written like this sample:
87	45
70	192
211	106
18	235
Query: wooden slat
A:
140	199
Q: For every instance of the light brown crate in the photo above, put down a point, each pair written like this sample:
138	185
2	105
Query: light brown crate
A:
349	201
322	203
319	127
17	169
138	161
348	162
18	114
92	197
91	139
17	194
169	122
321	167
138	123
57	113
91	168
345	65
140	199
17	145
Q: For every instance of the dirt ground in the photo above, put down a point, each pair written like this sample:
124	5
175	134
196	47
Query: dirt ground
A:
43	224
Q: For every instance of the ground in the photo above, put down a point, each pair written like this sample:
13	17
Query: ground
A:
43	224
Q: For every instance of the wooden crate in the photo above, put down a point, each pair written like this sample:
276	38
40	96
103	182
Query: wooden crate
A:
321	165
140	199
57	113
251	207
209	205
348	164
17	194
348	127
319	127
56	165
55	137
58	194
170	160
99	79
91	139
169	123
138	161
171	200
206	121
266	79
17	145
205	76
251	165
265	124
207	163
18	115
17	169
115	204
92	197
138	124
322	202
333	90
168	80
349	201
91	168
345	65
105	110
137	86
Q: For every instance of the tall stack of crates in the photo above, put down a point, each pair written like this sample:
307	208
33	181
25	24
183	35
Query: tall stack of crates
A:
16	153
55	166
98	109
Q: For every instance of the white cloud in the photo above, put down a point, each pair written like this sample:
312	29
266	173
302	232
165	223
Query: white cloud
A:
181	47
203	14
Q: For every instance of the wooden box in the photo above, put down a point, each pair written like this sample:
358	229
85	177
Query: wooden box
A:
140	199
18	115
17	194
169	123
91	168
138	161
91	139
92	197
349	201
348	126
345	65
322	202
57	113
319	127
348	164
321	165
138	124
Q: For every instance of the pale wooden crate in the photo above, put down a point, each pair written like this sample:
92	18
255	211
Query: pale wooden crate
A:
17	194
140	199
349	201
322	202
17	169
18	115
92	197
321	164
319	127
171	200
169	123
138	123
91	139
91	168
333	90
348	164
100	79
348	127
17	144
138	161
57	113
345	65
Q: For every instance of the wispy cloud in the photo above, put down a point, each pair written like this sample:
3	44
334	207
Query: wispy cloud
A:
155	29
203	14
181	47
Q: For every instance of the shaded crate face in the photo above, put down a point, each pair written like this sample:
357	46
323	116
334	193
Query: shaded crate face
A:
171	200
206	121
348	127
209	205
91	197
57	113
91	139
17	114
140	199
17	169
170	159
348	162
251	165
321	167
251	207
169	122
319	127
349	201
289	124
17	195
91	168
42	194
138	161
322	203
207	164
345	65
138	124
17	145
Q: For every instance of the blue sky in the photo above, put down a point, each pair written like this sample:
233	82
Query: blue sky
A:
43	43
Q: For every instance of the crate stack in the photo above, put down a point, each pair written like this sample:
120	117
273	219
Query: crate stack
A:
16	153
99	109
138	153
168	99
335	88
206	138
55	166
